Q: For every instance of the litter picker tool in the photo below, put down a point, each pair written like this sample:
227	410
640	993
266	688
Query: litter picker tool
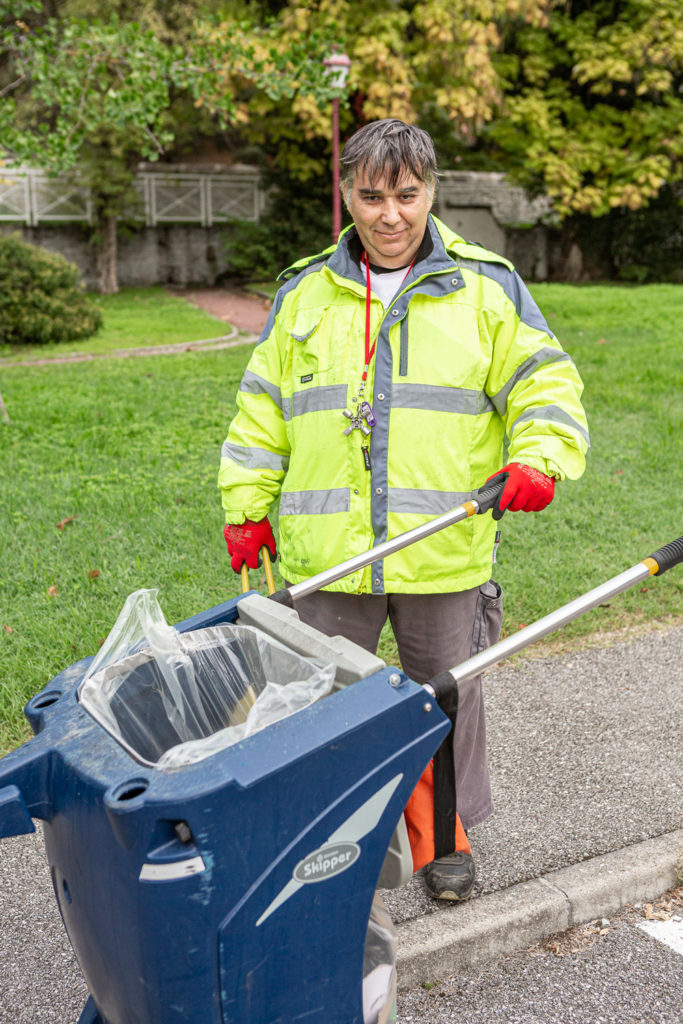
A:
481	501
659	562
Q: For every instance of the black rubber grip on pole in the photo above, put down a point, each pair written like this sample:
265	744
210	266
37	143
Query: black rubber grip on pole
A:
283	596
668	556
487	496
445	689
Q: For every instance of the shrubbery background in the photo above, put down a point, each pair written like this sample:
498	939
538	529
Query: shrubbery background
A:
42	299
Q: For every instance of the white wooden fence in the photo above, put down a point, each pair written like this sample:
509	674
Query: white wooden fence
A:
169	196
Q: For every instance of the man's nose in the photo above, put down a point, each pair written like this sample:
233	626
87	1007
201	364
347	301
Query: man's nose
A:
391	212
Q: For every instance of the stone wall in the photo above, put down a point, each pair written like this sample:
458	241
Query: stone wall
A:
181	254
484	207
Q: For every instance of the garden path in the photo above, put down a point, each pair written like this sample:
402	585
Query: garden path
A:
245	313
243	310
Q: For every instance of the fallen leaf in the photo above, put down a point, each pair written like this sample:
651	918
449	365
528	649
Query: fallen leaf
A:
8	629
52	591
93	574
69	519
602	341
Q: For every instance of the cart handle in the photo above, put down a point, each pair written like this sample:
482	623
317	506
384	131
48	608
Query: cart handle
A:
267	568
442	685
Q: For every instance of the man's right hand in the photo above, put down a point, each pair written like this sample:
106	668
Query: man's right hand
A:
245	541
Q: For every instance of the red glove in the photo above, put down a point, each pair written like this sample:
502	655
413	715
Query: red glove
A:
526	490
246	540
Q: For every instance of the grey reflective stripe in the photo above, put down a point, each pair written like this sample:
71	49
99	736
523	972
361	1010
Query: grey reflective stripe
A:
332	396
553	413
403	360
314	503
255	458
306	336
425	502
515	289
436	398
255	385
544	356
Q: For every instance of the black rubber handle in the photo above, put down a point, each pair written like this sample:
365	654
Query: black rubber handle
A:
282	597
445	689
487	496
668	556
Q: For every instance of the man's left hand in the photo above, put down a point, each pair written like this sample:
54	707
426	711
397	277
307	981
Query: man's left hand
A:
526	490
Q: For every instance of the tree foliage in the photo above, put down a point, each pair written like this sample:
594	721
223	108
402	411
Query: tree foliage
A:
581	99
593	111
100	96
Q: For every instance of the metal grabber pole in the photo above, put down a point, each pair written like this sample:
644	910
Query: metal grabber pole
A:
481	501
442	686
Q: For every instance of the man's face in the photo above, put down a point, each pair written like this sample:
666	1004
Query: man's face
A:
390	221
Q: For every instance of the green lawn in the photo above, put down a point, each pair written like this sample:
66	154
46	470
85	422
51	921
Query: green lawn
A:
129	449
134	318
265	288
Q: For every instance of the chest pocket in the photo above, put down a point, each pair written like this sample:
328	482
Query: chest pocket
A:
310	344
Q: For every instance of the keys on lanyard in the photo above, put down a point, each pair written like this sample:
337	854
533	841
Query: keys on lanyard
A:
364	419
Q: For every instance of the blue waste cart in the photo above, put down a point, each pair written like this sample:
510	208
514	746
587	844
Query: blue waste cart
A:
236	890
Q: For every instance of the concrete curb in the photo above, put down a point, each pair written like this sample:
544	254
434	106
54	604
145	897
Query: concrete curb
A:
432	948
232	340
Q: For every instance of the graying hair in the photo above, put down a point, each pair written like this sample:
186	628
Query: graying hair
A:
388	149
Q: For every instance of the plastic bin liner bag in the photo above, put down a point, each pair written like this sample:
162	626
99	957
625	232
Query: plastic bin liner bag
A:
175	698
379	966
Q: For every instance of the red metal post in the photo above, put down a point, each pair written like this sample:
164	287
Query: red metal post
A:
336	195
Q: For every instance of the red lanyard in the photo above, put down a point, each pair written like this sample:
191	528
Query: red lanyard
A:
370	351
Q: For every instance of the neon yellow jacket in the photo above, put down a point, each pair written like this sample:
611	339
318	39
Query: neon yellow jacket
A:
466	376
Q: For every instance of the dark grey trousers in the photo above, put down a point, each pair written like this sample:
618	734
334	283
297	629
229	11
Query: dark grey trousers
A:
434	633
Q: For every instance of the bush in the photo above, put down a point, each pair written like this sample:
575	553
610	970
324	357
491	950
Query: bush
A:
640	246
297	223
42	300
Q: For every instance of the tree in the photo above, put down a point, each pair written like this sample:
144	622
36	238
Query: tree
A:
593	111
580	99
418	60
97	97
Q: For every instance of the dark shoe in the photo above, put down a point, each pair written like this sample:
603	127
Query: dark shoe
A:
452	877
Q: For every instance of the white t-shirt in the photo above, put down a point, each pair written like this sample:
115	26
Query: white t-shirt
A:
386	285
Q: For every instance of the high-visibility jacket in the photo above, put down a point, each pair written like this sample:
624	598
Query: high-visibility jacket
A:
466	375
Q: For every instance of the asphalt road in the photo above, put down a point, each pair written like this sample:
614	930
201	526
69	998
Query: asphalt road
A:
609	971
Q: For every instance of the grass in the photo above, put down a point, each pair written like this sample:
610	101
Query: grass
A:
134	318
267	288
129	449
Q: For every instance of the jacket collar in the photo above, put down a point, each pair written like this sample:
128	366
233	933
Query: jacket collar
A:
342	259
432	255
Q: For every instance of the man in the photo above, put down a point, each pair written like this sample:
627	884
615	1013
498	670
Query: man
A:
398	371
